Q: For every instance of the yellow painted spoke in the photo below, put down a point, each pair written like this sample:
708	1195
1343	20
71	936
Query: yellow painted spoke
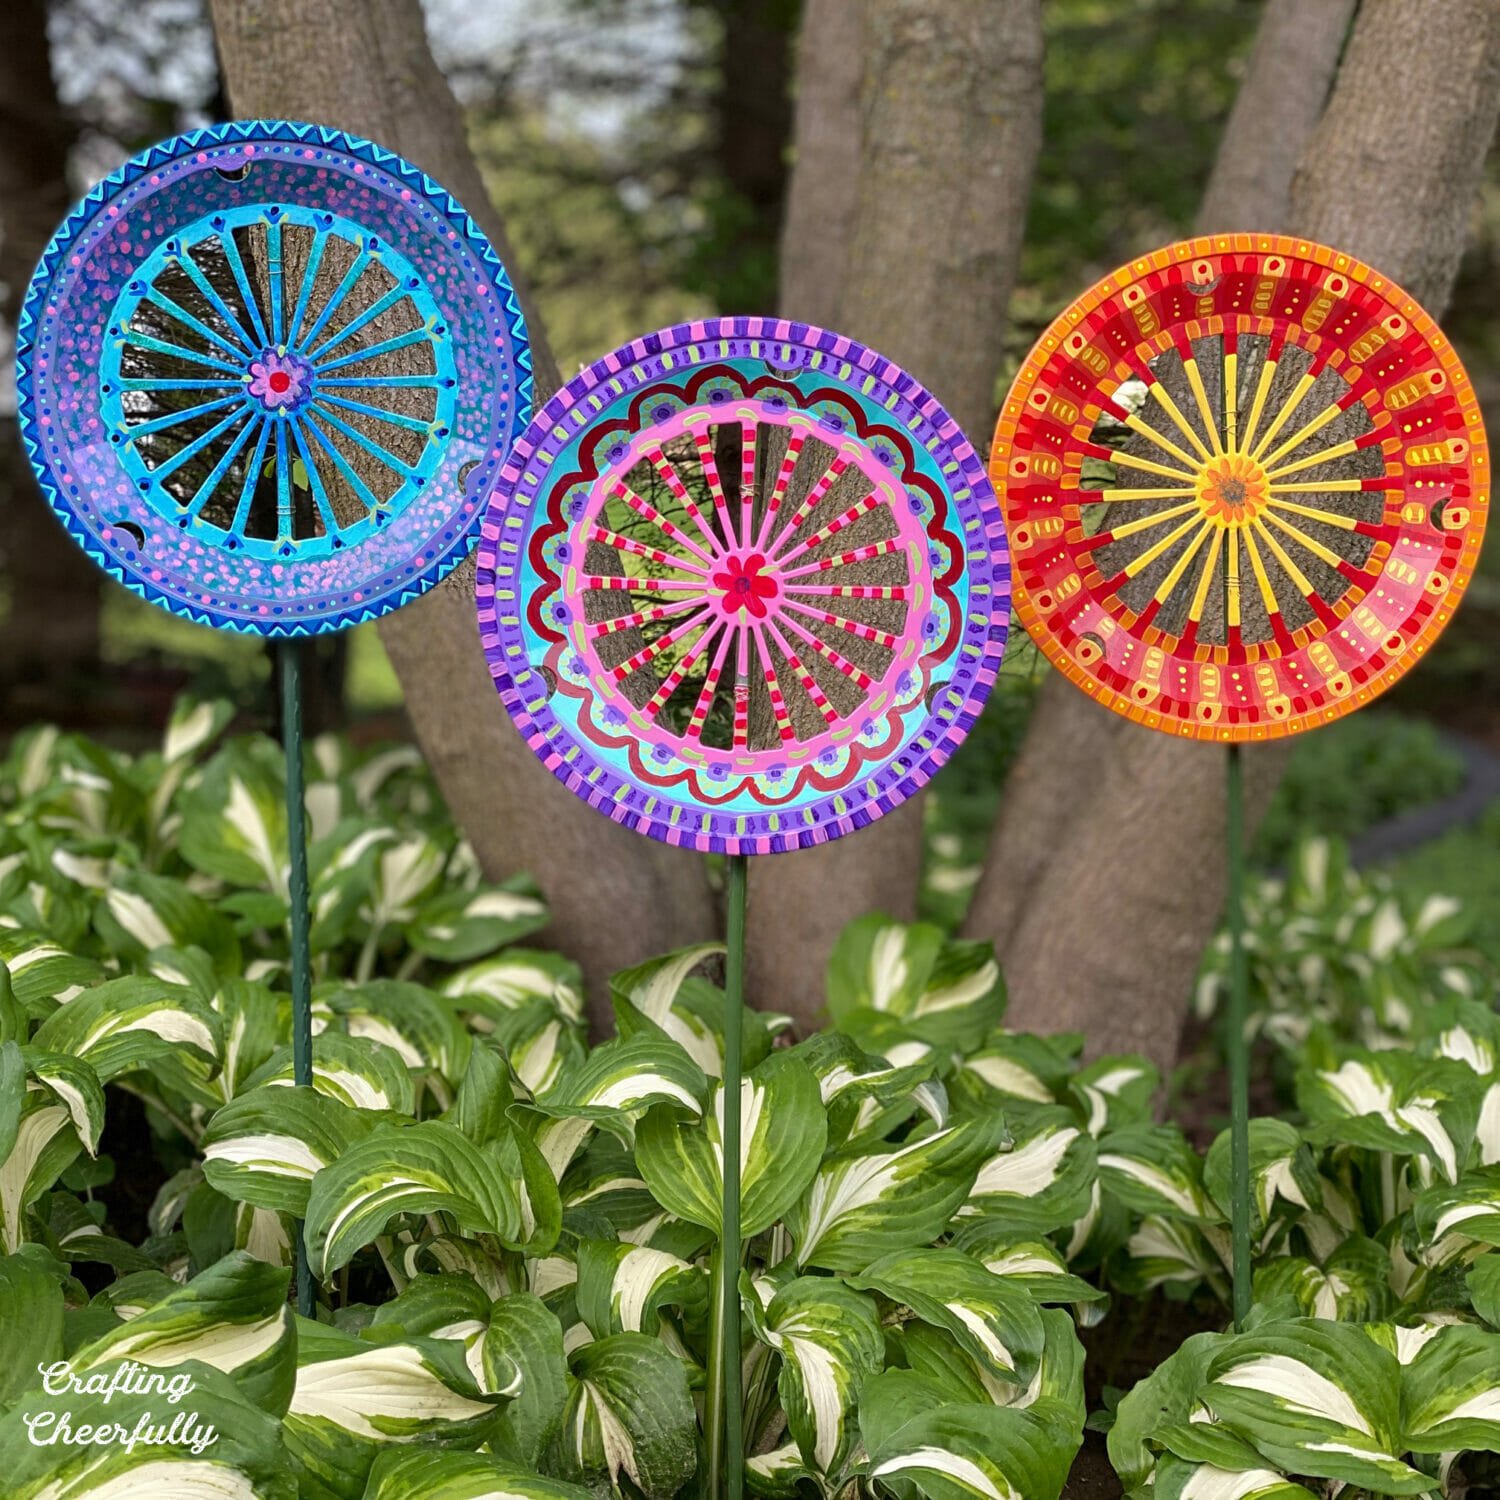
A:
1232	582
1169	584
1313	545
1157	549
1206	578
1267	593
1292	402
1114	497
1325	486
1315	513
1152	467
1280	553
1304	432
1339	450
1231	398
1210	424
1258	402
1164	399
1152	434
1145	523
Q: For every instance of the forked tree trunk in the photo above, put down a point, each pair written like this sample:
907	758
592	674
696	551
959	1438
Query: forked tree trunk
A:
1105	875
916	259
365	66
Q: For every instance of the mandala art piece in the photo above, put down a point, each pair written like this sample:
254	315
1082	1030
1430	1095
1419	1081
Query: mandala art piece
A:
743	585
1245	481
267	373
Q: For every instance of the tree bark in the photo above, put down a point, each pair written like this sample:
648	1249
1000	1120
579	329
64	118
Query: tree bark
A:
51	628
1103	889
918	262
365	66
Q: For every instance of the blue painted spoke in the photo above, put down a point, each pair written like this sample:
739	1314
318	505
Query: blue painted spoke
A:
390	382
369	445
183	316
150	384
309	276
196	447
237	267
284	519
204	285
315	482
160	346
273	258
416	336
390	299
206	490
412	424
172	418
357	484
355	271
252	478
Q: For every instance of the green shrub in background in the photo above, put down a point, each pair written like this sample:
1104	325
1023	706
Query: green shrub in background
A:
513	1230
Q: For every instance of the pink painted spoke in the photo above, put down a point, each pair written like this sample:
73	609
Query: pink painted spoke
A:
742	690
645	585
645	509
673	481
715	485
710	685
620	543
860	554
747	480
673	679
811	501
778	490
648	654
848	590
832	529
773	686
806	678
849	627
857	676
640	617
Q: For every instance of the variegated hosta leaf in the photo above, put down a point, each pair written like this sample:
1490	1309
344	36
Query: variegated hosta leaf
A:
829	1339
43	1144
1316	1398
457	926
996	1323
1165	1249
1450	1392
514	979
539	1044
975	1452
418	1025
234	817
868	1096
1021	1067
417	1169
239	1453
404	874
31	1318
141	911
248	1017
355	1071
629	1414
1024	1260
782	1134
870	1202
1392	1101
193	725
265	1147
1466	1031
1281	1166
1483	1282
353	1397
75	1085
1168	1395
1352	1286
1153	1170
1115	1091
622	1288
420	1475
41	971
1450	1220
623	1076
606	1181
525	1336
1177	1479
1043	1180
233	1316
777	1475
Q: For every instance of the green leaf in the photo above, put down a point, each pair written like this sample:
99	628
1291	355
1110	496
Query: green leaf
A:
782	1134
621	1076
424	1475
623	1288
132	1025
1177	1479
457	926
42	972
141	912
1153	1170
1043	1180
1168	1394
524	1335
44	1143
418	1025
1450	1392
1483	1281
31	1319
234	817
882	965
1115	1092
1281	1166
355	1071
1025	1260
1451	1219
417	1169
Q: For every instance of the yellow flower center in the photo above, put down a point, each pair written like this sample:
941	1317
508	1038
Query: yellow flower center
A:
1231	489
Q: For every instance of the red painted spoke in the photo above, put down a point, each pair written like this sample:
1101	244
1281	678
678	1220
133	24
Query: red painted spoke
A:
742	689
778	490
855	674
773	687
673	481
809	682
619	582
639	618
832	529
860	554
747	481
705	703
848	626
648	654
810	502
710	465
673	679
848	590
620	543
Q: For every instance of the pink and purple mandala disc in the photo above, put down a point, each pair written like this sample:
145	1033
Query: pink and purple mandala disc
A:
743	585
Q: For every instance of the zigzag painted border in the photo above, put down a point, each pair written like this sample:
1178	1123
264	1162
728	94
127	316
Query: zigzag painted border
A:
231	133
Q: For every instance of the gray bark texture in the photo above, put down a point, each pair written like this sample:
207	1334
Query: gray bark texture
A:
1105	876
938	138
365	66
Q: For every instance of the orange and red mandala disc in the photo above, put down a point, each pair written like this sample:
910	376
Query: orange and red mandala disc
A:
1244	480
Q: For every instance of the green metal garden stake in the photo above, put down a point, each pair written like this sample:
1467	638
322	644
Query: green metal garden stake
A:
1235	1044
289	662
724	1411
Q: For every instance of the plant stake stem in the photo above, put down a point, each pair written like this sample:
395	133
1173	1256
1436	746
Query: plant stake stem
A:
724	1413
289	661
1236	1046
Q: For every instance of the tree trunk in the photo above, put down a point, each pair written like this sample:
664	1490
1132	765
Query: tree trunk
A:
1103	891
949	127
365	66
51	627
